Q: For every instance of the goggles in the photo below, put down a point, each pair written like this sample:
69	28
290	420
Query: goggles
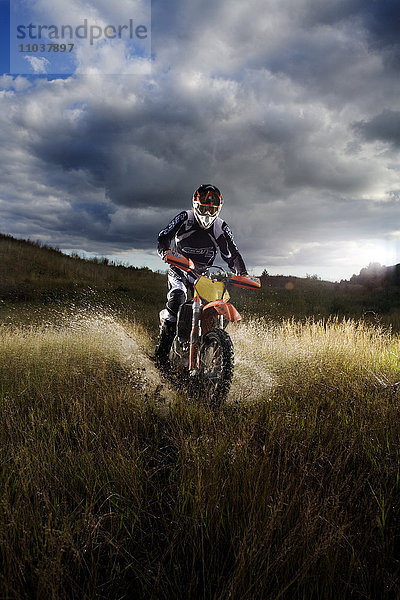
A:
207	209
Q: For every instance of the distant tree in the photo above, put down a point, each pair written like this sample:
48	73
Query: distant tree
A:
315	277
373	276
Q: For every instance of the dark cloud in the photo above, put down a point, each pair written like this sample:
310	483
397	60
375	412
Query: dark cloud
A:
380	21
273	102
384	127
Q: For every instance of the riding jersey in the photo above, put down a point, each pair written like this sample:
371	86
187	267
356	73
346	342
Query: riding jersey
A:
201	245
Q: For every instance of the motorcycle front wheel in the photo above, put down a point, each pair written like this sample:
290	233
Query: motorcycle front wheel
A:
216	366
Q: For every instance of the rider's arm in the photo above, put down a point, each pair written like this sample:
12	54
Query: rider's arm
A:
166	235
229	251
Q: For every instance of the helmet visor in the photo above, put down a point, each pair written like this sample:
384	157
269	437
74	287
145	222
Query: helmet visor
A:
207	209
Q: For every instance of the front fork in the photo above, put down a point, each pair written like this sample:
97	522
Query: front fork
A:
195	335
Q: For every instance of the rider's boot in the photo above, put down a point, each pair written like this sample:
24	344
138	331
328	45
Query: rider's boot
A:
165	339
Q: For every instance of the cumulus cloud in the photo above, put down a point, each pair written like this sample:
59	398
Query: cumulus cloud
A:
39	65
284	105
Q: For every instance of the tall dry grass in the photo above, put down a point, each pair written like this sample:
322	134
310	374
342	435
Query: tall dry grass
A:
115	486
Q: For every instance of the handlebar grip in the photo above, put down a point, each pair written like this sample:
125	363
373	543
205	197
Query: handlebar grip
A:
178	260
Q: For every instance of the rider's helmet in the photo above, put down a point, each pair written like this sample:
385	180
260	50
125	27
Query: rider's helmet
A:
207	202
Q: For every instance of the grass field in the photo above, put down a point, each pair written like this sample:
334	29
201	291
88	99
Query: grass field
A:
114	485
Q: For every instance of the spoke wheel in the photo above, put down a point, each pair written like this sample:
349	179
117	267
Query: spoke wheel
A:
216	366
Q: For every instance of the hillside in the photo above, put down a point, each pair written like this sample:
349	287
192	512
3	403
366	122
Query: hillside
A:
28	268
32	272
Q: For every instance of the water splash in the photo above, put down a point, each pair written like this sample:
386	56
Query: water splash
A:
252	380
130	344
97	331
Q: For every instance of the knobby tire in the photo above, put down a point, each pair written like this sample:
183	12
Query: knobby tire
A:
216	366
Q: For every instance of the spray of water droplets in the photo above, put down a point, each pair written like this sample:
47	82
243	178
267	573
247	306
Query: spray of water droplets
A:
93	332
252	378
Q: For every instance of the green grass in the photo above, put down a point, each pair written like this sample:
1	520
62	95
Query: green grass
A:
112	487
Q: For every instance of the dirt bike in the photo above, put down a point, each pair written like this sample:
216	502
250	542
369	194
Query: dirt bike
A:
201	349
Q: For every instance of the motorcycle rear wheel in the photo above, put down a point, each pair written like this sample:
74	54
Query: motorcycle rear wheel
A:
216	366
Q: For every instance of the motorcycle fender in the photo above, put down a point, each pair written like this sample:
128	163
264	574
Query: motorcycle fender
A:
224	308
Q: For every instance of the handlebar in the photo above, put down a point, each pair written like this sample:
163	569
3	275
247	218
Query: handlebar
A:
186	264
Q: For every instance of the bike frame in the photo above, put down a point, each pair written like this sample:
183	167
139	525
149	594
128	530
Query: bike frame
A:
222	308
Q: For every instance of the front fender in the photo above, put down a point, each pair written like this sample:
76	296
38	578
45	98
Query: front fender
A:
226	309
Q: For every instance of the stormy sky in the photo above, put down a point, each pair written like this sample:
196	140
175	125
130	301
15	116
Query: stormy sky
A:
290	107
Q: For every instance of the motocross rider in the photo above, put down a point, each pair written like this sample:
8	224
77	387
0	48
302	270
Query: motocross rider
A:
197	234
